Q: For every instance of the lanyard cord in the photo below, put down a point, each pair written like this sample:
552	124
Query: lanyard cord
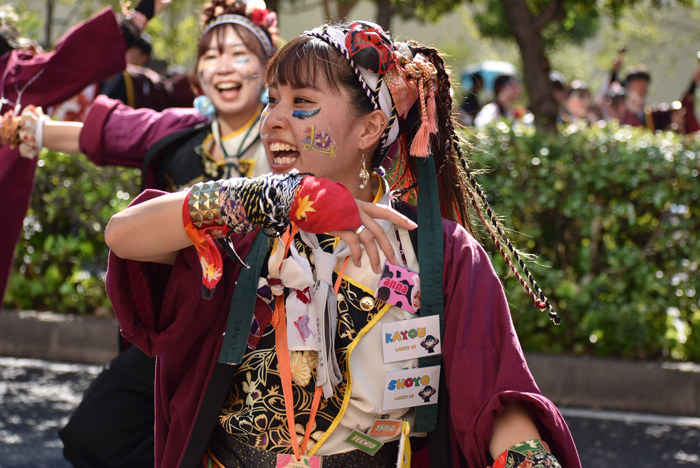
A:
279	321
229	163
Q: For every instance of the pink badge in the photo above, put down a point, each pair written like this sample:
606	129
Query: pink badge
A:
399	287
288	461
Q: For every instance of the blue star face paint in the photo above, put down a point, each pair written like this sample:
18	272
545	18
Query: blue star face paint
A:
303	115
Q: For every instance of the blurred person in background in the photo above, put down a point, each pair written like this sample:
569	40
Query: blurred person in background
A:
141	87
688	102
507	90
470	106
560	88
637	85
615	104
579	103
666	116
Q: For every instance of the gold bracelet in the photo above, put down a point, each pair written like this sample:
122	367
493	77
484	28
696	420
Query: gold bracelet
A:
203	203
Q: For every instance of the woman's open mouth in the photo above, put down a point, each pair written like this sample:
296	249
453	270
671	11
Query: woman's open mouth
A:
283	154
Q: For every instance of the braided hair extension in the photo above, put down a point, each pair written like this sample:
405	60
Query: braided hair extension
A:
500	239
456	181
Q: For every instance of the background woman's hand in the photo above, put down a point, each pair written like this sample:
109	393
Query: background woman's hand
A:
30	120
9	129
373	236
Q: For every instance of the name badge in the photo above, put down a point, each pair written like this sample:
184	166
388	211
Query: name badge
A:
288	461
363	442
411	387
399	287
411	339
385	428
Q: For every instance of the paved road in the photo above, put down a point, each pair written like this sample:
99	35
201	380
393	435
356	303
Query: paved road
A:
37	397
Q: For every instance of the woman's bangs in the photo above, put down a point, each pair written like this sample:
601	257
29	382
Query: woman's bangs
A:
249	39
305	62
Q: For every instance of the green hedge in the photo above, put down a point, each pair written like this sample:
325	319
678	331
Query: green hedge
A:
61	259
613	214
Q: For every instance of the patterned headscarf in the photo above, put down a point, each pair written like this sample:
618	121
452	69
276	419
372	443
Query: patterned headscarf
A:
392	76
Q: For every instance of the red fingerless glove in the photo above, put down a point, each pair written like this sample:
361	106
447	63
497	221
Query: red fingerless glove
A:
322	205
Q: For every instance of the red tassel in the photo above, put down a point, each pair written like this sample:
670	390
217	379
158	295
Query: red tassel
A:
432	121
420	145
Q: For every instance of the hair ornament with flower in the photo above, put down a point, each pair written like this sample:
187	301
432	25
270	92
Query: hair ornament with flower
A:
257	19
259	14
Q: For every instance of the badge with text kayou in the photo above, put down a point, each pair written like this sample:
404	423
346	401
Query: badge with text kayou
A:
399	287
411	339
411	387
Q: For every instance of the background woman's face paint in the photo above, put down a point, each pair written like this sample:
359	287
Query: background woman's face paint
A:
303	114
319	141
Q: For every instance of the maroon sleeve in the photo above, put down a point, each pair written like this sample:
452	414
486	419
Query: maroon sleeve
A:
157	304
90	52
483	363
115	134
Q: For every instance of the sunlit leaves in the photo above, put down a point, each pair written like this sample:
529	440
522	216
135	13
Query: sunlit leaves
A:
613	214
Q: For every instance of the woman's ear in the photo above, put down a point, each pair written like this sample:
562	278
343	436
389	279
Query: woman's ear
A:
372	129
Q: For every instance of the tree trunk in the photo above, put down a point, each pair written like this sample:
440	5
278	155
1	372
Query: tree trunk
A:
344	7
535	63
48	26
384	13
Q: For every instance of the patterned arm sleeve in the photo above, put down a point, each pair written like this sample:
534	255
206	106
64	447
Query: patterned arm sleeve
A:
272	203
528	454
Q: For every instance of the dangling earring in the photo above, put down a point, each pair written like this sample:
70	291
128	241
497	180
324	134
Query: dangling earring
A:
364	175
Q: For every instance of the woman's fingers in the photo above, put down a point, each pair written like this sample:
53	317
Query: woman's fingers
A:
372	236
388	213
353	241
369	240
376	237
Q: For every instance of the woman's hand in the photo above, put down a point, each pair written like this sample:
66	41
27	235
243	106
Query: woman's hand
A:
9	129
31	131
373	235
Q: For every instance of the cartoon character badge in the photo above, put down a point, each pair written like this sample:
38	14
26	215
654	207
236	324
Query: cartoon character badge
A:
426	393
411	339
400	287
429	343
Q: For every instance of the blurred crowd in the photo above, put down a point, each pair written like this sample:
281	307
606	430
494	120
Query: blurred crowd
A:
622	97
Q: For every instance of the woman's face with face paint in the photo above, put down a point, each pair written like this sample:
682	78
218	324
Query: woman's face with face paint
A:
313	130
231	75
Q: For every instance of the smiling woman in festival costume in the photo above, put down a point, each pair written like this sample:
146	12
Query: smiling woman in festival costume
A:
180	147
306	378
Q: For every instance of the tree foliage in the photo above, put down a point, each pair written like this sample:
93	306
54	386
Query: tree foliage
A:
61	260
613	214
537	24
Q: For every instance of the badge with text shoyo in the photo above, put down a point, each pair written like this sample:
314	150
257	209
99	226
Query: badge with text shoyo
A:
289	461
411	339
385	428
399	287
363	442
411	387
